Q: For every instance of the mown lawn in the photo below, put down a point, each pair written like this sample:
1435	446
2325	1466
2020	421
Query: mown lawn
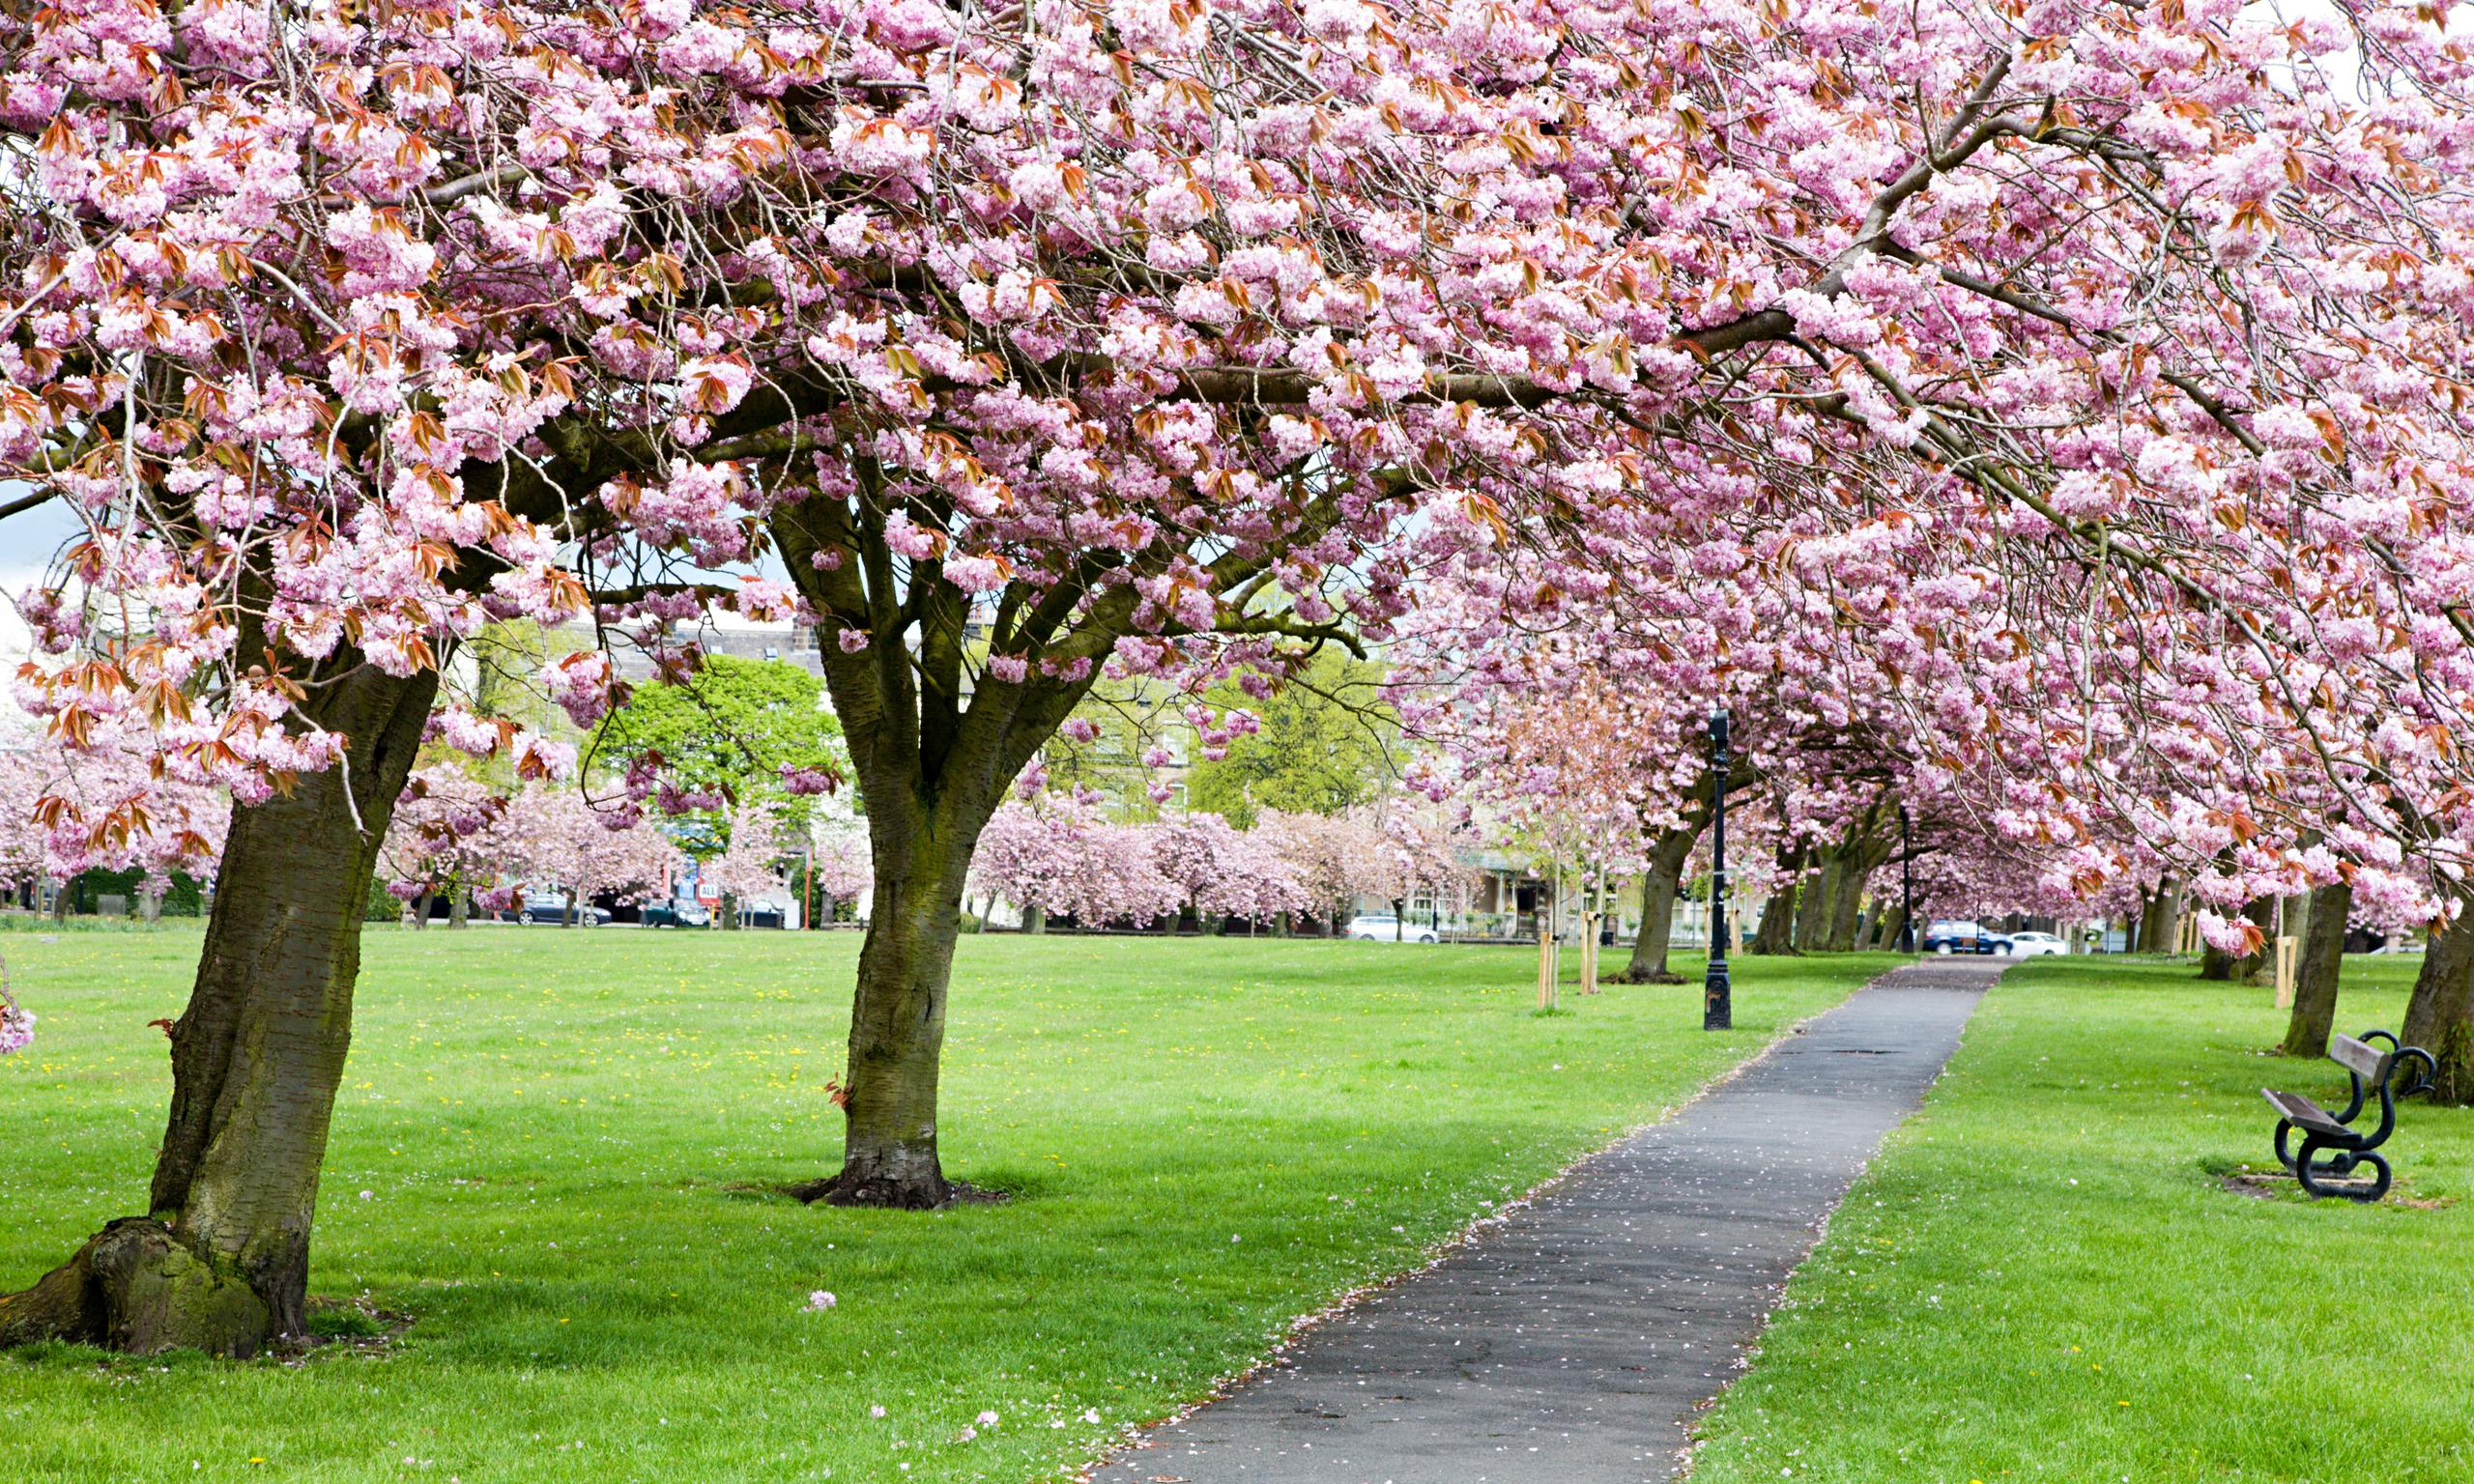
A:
554	1147
2043	1278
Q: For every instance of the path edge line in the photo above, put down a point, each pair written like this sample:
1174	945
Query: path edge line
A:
1132	1436
1748	1354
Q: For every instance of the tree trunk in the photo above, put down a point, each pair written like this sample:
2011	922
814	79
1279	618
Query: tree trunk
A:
1777	933
60	900
727	918
1887	931
150	906
1034	919
220	1262
1845	911
2440	1017
2158	910
1661	885
1818	900
1547	969
2314	971
420	910
459	908
898	1018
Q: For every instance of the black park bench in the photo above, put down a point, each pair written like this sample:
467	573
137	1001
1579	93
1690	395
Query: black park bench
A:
2373	1073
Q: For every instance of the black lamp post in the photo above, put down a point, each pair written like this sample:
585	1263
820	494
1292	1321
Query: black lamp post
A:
1718	1009
1906	887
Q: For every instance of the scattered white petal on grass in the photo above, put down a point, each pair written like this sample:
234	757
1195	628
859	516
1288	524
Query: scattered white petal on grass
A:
966	1434
369	1195
987	1418
1232	1236
877	1411
1090	1413
821	1301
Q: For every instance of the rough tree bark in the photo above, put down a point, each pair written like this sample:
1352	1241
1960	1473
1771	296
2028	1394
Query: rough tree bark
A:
2315	967
1818	901
1863	859
1660	884
220	1262
898	1017
2159	912
1776	935
2440	1017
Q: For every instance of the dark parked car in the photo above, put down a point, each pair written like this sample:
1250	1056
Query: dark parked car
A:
1955	936
685	912
763	914
552	907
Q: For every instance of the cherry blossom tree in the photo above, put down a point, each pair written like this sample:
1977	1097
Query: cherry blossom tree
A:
449	837
23	863
1059	855
749	865
1171	337
840	863
1224	872
559	837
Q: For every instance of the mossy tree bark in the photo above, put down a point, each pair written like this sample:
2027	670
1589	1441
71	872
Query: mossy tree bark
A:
2160	911
220	1262
1661	885
1776	935
2315	967
1864	856
2440	1017
1818	898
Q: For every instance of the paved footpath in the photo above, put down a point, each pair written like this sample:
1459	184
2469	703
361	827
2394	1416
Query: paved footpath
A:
1574	1344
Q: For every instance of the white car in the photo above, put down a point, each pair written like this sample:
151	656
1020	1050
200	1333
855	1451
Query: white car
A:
2033	945
1384	928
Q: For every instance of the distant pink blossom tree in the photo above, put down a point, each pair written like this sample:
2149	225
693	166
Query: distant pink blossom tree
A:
842	864
562	839
749	864
449	835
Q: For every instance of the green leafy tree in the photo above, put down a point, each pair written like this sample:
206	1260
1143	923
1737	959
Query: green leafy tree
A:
1127	719
1324	745
732	726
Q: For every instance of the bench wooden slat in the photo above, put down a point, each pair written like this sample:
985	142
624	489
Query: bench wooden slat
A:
2359	1057
2302	1112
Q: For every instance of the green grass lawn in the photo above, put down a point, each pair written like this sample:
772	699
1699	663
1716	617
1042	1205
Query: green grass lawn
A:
553	1147
2043	1278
